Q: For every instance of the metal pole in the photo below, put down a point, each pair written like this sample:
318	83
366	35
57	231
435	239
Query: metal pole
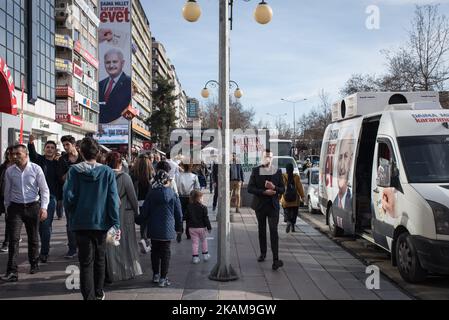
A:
294	129
223	270
130	141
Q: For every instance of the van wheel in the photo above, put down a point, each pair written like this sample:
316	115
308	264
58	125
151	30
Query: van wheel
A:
309	205
408	261
333	228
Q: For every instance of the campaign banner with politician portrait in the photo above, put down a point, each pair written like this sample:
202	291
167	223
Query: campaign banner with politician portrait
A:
115	69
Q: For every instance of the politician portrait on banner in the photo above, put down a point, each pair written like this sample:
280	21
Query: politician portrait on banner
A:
115	56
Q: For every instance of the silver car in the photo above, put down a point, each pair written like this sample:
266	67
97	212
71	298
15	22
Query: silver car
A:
311	189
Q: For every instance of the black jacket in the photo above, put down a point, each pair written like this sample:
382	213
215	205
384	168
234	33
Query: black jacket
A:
119	99
256	187
197	216
64	165
50	169
215	172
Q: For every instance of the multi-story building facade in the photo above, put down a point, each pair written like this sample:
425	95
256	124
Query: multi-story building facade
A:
142	74
27	61
76	42
163	68
181	101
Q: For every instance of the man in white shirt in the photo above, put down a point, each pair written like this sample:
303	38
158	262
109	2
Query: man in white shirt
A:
175	169
26	201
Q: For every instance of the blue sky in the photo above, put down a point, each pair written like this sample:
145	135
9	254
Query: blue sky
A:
309	46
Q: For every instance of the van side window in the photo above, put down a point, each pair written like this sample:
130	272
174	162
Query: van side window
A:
384	152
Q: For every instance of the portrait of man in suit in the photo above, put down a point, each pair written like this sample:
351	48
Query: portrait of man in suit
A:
115	90
344	166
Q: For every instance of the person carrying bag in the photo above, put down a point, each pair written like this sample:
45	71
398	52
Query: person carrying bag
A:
291	199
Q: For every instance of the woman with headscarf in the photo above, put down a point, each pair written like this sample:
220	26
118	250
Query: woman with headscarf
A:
162	213
122	262
291	199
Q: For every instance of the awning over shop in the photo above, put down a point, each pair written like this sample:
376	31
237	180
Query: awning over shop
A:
8	100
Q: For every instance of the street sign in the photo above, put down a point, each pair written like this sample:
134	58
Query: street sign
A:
130	113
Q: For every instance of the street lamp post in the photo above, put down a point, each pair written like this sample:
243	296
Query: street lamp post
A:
238	93
294	117
223	271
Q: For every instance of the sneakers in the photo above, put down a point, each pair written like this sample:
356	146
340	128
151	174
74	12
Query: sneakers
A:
196	260
277	264
10	277
4	248
156	278
71	255
289	226
102	297
164	282
143	246
34	269
261	258
43	258
206	257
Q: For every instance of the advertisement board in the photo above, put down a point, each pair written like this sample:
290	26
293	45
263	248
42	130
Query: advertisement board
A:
113	134
115	70
64	41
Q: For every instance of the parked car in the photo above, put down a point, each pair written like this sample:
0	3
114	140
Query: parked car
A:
313	179
282	164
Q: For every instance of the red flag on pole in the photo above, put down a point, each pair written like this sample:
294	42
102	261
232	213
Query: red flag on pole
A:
21	113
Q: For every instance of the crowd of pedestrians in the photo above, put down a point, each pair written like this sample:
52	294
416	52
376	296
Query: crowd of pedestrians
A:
104	197
101	195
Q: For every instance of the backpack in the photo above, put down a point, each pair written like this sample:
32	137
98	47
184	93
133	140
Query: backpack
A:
290	194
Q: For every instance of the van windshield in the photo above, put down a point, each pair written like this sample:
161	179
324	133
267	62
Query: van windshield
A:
426	159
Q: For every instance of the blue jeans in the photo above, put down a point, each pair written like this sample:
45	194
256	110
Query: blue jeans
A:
45	228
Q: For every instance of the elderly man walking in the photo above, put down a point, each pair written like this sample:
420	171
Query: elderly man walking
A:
26	201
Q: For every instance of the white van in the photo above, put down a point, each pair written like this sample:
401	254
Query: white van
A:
384	175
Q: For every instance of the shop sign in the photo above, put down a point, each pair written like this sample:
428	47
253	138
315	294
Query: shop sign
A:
44	124
64	41
63	92
78	71
86	102
86	55
7	90
68	118
63	65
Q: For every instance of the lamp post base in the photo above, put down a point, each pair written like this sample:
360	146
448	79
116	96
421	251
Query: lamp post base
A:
223	273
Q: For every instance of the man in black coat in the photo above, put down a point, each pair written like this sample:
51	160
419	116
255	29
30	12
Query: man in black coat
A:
115	90
266	184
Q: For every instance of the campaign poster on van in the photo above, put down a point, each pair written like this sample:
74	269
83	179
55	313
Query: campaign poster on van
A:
343	168
115	69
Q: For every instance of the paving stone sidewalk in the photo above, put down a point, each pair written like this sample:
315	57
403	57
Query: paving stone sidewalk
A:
315	268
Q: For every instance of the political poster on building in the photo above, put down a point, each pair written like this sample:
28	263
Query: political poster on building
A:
115	70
